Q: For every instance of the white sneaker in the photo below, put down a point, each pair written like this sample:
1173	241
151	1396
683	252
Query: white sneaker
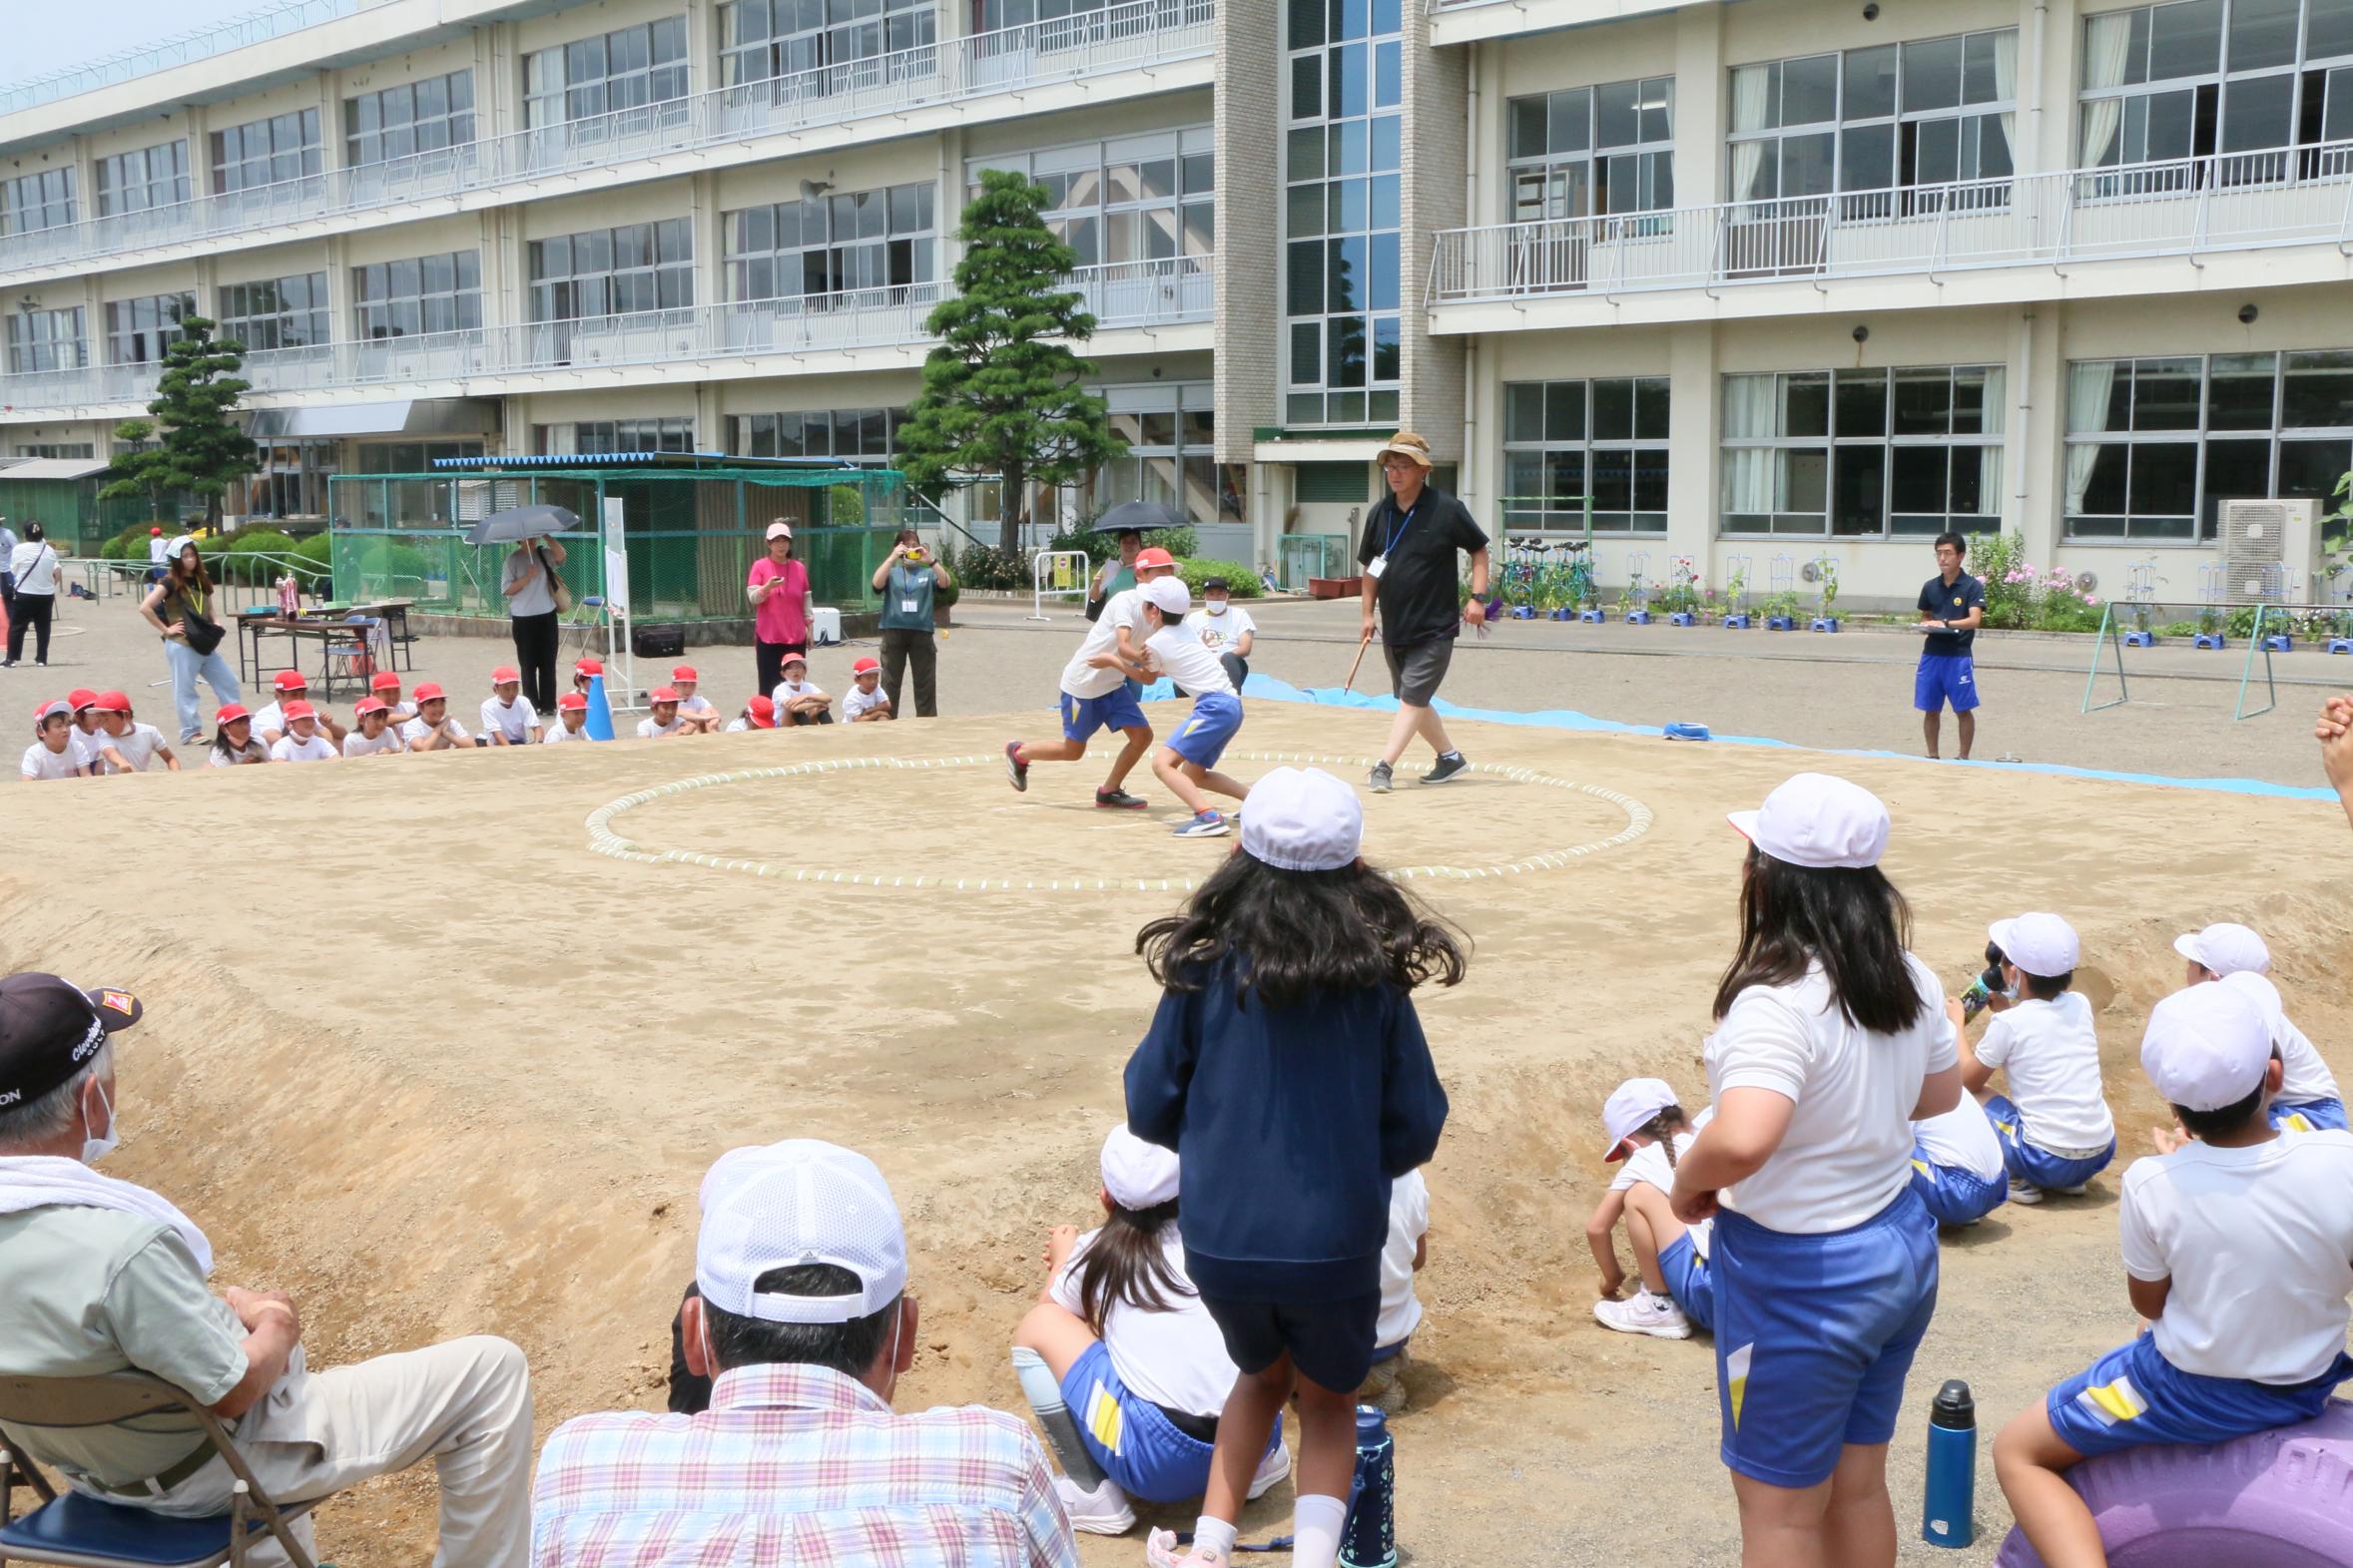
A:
1103	1512
1271	1471
2075	1190
1656	1316
2024	1191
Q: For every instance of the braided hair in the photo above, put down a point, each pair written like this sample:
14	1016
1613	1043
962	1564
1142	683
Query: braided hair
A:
1662	1129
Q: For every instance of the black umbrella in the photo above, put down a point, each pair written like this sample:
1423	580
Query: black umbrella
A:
1137	517
522	522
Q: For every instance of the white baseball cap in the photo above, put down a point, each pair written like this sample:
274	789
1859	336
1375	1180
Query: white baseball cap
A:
779	530
2042	945
1136	1174
1631	1105
1169	592
2206	1047
1303	820
2259	990
2225	949
1819	821
802	1200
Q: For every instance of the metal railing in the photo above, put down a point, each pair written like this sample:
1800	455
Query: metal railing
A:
1133	33
2187	207
1126	293
238	32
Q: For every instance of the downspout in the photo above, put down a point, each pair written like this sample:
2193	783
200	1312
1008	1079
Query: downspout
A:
1467	478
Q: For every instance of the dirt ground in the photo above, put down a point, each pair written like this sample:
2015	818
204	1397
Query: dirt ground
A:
417	1054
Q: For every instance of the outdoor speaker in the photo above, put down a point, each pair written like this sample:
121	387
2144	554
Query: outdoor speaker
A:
657	642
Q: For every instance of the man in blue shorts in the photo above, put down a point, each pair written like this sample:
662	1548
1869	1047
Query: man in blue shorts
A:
1098	697
1951	607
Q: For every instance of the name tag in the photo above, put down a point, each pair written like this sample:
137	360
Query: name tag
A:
1376	566
907	607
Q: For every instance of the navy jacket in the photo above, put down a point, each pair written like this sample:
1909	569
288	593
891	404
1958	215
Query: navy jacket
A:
1290	1123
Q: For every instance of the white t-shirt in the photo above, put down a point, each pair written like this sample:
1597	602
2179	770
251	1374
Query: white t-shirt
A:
2256	1241
737	725
1082	680
291	748
557	735
358	744
697	703
1649	1163
1176	1357
35	563
2049	1054
855	702
2304	1076
158	548
1408	1221
785	691
137	745
1848	1150
1220	633
89	749
42	763
255	752
417	730
524	582
648	730
513	720
1963	1139
1188	664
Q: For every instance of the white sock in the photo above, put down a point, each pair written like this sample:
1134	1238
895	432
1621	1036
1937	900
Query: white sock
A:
1214	1535
1316	1522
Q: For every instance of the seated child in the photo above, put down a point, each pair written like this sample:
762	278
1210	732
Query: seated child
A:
303	742
508	719
2053	1124
52	754
130	745
385	685
1647	1130
758	714
697	713
2236	1248
1402	1256
797	699
866	702
2309	1098
371	731
434	730
1957	1167
572	720
663	721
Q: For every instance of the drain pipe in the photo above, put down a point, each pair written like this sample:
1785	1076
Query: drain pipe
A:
1467	476
2036	37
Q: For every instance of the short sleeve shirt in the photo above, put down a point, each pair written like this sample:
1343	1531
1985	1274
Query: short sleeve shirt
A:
526	583
1416	590
42	763
1220	633
1941	603
780	618
907	599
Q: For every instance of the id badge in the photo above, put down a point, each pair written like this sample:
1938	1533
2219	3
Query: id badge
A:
1376	566
907	607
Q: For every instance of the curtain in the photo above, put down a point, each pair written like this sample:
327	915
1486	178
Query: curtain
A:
1750	84
1995	413
2005	90
1989	496
1748	470
2089	384
2106	41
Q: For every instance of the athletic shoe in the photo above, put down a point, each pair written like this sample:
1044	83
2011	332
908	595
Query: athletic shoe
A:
1161	1550
1450	765
1380	780
1656	1316
1120	800
1209	824
2075	1190
1103	1512
1016	770
1271	1471
2024	1191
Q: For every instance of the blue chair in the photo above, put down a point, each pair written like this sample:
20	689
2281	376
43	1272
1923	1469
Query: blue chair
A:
81	1531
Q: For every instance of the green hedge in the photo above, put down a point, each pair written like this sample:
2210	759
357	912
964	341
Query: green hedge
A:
1240	580
1179	542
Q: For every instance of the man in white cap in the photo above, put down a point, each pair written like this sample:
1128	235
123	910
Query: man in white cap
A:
801	1321
2055	1130
1411	539
2239	1248
2310	1091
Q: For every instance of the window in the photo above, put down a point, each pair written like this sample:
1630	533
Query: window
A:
764	39
1342	336
1864	453
1171	456
267	152
2248	79
996	15
432	294
1588	150
415	117
626	69
852	435
832	245
66	449
136	182
46	340
1883	120
1566	440
44	200
2154	447
604	436
411	457
289	312
139	330
1135	199
613	272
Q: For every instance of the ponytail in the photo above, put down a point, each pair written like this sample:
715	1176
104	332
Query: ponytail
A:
1663	1128
1126	1266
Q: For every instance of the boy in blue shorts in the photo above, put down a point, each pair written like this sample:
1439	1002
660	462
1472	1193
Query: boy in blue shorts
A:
1187	765
2236	1248
1098	697
1951	607
2055	1130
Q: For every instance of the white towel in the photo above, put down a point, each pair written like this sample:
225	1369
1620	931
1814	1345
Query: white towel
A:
40	1181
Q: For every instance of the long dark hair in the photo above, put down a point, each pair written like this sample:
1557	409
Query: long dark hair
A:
178	577
1126	1264
1301	931
225	747
1850	920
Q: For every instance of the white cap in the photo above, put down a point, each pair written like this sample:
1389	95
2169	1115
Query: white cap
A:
779	530
2042	945
1136	1174
1303	820
1631	1105
2206	1047
1818	822
179	543
2224	949
2259	990
1169	592
799	1201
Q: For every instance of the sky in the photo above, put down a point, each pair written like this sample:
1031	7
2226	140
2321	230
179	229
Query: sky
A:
43	38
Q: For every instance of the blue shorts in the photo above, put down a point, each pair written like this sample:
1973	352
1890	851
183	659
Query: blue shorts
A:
1329	1342
1117	709
2031	1163
1202	739
2306	1116
1688	1280
2133	1395
1813	1335
1952	1196
1132	1439
1945	678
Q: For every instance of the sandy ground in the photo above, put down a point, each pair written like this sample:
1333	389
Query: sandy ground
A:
418	1055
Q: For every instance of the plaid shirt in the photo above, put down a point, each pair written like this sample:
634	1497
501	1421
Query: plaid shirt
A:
797	1465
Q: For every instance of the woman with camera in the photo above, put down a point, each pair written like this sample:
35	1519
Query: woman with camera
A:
907	582
180	608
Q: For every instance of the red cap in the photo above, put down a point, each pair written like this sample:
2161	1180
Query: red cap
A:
385	680
685	671
231	713
759	713
290	681
81	697
429	693
298	709
665	694
1154	557
112	703
572	703
588	667
154	531
506	674
866	667
370	705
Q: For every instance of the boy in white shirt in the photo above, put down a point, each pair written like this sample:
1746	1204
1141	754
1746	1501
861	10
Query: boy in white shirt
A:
571	720
695	711
434	730
128	746
864	703
269	723
301	742
508	719
52	755
664	721
2309	1098
1225	629
89	742
1096	696
373	731
758	714
385	686
1187	765
2055	1130
2236	1248
797	699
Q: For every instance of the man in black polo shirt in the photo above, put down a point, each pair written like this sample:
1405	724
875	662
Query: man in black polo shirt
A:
1951	607
1408	554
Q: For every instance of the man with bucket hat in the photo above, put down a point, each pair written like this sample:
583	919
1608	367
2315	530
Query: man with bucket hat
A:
1408	554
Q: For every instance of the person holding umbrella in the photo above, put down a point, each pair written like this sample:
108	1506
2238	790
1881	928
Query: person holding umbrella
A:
535	594
1129	521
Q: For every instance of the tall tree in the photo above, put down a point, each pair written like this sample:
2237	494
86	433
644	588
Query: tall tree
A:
198	449
1003	394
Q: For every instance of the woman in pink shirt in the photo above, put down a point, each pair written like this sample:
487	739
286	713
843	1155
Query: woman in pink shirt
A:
778	591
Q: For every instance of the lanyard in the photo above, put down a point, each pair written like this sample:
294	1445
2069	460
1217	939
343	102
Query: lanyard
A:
1399	532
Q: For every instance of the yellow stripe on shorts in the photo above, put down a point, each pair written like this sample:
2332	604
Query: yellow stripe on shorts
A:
1104	1418
1922	1167
1736	1378
2113	1403
2296	1122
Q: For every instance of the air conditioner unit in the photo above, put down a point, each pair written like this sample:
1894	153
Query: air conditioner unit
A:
2270	551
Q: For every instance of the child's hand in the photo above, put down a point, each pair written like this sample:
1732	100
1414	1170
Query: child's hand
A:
1061	1240
1957	1012
1612	1280
1107	662
1691	1207
2167	1139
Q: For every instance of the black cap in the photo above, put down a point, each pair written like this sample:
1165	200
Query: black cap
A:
1954	1407
1218	585
50	1029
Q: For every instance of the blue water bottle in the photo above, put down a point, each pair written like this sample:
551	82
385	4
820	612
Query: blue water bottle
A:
1369	1540
1946	1514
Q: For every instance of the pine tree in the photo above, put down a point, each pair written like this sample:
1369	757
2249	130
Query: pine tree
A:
200	450
1003	394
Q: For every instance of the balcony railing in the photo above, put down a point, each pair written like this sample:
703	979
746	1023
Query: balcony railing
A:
2189	206
1126	293
273	21
1134	33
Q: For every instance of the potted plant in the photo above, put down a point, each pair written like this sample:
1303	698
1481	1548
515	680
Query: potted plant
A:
1736	616
1682	597
1781	610
2211	633
1633	605
1827	621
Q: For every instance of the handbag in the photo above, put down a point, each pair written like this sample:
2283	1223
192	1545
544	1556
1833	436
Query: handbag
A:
204	635
555	581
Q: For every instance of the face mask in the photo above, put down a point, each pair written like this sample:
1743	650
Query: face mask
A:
97	1148
1214	605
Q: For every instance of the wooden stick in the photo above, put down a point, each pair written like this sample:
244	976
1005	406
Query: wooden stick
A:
1350	684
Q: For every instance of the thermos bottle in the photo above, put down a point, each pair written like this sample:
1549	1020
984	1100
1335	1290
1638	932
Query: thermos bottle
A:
1369	1540
1945	1514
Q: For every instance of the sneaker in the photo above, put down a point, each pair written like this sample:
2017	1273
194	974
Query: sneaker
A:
2075	1190
1271	1471
1209	824
1103	1512
1016	770
1450	765
1120	800
1161	1550
2024	1191
1380	780
1656	1316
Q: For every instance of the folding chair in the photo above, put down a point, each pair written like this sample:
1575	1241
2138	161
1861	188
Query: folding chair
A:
356	648
81	1531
